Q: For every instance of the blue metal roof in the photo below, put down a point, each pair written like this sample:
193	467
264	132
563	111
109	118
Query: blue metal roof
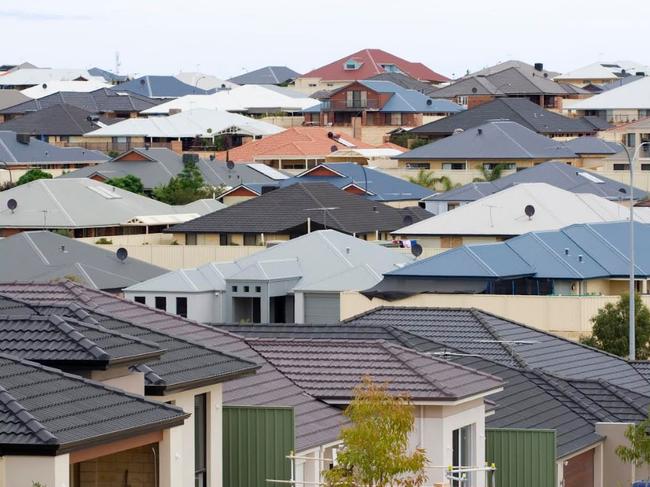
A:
160	86
584	251
381	186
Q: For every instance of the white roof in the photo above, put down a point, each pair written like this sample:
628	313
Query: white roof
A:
205	81
632	96
325	260
199	122
603	70
86	203
37	76
240	99
44	89
268	171
503	213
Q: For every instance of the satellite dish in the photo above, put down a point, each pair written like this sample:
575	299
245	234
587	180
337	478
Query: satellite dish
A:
122	254
142	81
474	90
45	86
416	249
529	210
230	165
407	220
429	102
12	204
209	130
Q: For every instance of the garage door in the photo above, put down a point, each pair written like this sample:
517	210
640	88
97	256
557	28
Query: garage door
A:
579	470
322	308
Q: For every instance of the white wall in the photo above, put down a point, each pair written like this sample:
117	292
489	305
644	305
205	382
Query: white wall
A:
202	307
23	471
177	447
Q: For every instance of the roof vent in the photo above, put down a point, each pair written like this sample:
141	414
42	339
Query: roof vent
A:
347	250
529	210
580	258
63	250
539	66
429	102
479	131
566	251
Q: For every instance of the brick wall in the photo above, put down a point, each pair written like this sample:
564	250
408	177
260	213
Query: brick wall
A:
111	470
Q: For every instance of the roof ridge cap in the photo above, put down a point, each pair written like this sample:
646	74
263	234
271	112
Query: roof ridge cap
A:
79	338
26	418
519	360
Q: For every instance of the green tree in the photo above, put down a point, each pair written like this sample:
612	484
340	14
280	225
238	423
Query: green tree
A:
129	183
428	180
185	188
33	175
638	452
610	328
491	174
375	445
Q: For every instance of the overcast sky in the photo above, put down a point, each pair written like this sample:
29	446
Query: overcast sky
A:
226	38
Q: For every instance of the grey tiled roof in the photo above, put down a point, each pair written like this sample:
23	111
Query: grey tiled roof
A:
268	75
64	340
37	152
331	369
159	87
290	207
60	119
520	110
104	100
45	410
184	362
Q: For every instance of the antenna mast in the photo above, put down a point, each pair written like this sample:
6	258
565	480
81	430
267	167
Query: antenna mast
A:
117	62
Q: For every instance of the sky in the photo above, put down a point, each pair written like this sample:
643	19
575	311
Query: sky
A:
227	38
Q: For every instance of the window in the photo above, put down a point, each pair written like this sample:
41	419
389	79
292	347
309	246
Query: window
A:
462	453
250	239
356	99
223	239
234	289
161	303
418	165
351	65
200	443
181	307
396	119
390	68
247	289
258	289
507	166
140	299
645	167
190	239
453	166
621	167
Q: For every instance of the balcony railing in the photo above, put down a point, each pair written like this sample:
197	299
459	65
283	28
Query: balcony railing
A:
345	105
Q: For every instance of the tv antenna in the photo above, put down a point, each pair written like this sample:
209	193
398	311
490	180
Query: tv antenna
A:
324	210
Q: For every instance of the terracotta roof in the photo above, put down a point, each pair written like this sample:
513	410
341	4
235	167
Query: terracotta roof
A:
296	141
370	60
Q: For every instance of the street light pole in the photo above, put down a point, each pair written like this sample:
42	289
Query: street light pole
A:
632	290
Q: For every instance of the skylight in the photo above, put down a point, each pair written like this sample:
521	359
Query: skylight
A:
591	177
105	192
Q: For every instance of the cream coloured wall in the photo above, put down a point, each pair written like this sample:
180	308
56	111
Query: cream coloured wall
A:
568	316
23	471
233	200
128	381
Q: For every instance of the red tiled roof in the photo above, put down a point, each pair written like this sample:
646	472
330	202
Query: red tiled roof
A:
296	141
370	60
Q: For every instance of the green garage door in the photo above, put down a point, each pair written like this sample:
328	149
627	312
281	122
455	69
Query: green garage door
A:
256	442
322	308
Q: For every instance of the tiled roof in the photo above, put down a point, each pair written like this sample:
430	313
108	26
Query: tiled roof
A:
53	339
370	61
293	142
45	410
268	75
159	87
330	369
60	119
290	207
36	152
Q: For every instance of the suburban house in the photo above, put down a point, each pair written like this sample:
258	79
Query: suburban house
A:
268	75
298	281
159	87
185	131
602	73
42	256
513	79
300	148
362	65
62	125
136	437
558	174
465	156
623	104
292	211
26	77
21	152
374	107
350	177
519	209
155	166
102	102
86	208
519	110
254	100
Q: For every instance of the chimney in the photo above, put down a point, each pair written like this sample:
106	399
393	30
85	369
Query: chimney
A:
539	66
